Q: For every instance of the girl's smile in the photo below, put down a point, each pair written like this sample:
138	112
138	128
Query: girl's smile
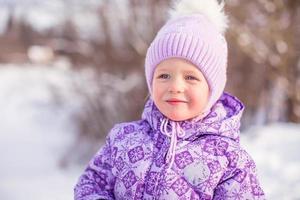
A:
174	101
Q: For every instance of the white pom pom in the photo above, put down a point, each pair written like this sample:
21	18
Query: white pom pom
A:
212	9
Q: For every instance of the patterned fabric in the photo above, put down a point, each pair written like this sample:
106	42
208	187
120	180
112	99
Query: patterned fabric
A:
208	163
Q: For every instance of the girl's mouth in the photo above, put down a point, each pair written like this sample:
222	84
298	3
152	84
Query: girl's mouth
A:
175	101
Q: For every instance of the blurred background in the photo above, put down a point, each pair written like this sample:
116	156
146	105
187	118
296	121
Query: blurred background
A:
71	69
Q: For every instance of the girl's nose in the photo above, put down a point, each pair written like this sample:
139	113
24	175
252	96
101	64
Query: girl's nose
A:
176	86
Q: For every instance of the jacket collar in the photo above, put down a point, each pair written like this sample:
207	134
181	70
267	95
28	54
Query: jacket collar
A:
222	120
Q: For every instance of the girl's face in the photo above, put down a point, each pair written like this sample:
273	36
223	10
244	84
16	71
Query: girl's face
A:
179	89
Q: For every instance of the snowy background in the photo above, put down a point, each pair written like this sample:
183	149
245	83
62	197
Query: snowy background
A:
35	132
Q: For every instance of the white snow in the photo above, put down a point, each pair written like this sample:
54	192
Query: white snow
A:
35	132
275	149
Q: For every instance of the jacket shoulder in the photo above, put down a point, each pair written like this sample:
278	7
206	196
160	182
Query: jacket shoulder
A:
241	171
120	130
239	162
229	152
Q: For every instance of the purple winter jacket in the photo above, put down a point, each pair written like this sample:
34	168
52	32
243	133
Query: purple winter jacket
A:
156	158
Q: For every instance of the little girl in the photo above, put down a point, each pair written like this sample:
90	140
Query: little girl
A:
186	146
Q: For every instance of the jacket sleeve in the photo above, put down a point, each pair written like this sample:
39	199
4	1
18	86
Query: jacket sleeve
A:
97	181
240	182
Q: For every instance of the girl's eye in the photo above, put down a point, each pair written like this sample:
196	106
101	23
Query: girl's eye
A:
164	76
191	78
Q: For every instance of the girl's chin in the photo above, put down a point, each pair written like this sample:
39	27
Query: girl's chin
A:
180	117
177	117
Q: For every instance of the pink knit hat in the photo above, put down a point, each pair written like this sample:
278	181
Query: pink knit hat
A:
196	38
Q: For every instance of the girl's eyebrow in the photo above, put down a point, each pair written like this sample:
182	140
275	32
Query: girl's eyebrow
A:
184	71
162	69
190	71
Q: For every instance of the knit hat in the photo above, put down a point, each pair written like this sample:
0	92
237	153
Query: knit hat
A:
194	32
